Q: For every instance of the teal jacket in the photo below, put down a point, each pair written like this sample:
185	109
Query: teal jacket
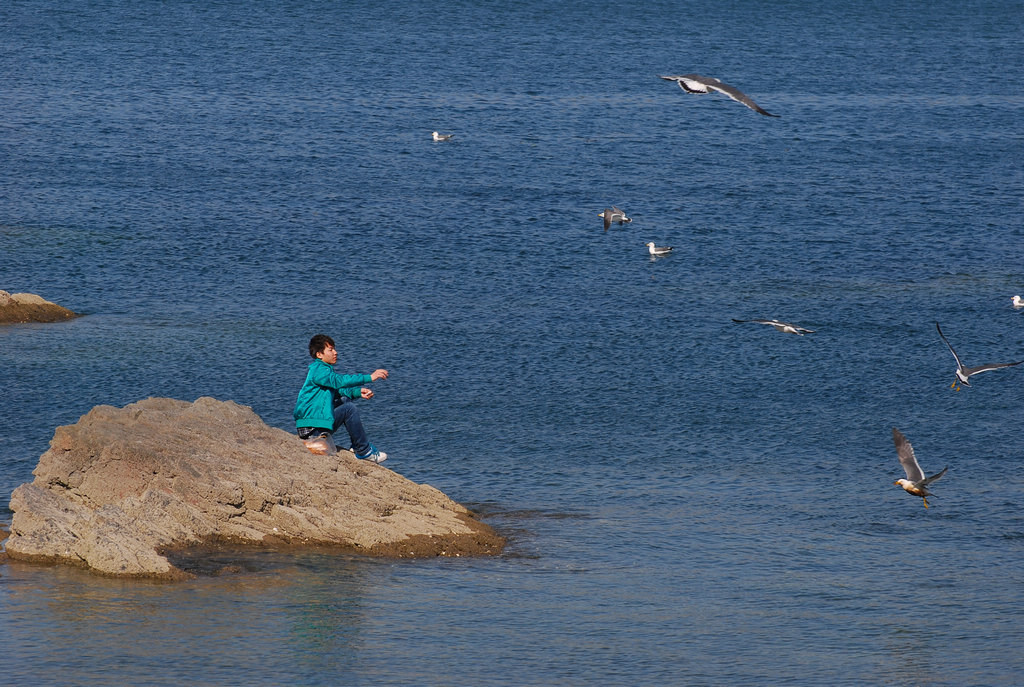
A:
319	393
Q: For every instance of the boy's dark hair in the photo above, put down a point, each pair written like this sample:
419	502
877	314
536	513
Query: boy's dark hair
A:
318	343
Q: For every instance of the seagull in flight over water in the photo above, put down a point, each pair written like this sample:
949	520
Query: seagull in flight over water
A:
915	483
613	215
781	326
963	374
695	83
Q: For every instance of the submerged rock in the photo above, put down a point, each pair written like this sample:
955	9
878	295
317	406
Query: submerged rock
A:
125	487
28	307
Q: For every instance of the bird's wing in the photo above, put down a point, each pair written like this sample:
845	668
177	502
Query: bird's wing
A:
991	366
905	452
607	218
955	356
929	480
706	81
692	83
739	96
786	325
771	323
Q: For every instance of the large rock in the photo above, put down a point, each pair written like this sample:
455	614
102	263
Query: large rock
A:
28	307
125	487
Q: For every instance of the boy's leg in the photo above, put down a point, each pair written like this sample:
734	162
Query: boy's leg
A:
347	414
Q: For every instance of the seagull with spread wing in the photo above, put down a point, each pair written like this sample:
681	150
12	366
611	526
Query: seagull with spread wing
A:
695	83
915	483
781	326
613	215
964	374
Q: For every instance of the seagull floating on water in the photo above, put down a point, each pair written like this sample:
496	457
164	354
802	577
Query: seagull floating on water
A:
915	483
963	374
613	215
781	326
442	137
658	251
1017	302
695	83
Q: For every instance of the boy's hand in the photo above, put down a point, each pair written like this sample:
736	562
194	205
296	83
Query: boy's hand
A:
366	393
378	374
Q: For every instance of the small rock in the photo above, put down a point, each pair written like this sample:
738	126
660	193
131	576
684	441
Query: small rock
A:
28	307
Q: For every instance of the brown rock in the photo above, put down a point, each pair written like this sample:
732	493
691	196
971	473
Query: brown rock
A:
28	307
125	486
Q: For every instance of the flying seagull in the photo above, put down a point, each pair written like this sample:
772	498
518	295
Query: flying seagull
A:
915	483
613	215
1017	302
442	137
658	251
963	374
781	326
695	83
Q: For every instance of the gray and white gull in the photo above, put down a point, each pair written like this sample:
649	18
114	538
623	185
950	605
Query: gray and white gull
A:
915	483
613	215
695	83
781	326
964	373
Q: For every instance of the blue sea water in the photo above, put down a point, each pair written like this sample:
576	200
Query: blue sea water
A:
688	500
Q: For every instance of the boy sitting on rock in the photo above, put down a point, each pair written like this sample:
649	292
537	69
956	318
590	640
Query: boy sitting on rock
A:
323	404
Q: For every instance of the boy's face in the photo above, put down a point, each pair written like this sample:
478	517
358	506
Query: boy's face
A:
329	355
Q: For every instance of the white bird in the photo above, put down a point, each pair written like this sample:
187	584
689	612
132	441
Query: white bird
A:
1017	302
613	215
915	483
781	326
695	83
658	251
963	374
442	137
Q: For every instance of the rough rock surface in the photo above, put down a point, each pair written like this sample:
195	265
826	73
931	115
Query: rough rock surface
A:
125	486
28	307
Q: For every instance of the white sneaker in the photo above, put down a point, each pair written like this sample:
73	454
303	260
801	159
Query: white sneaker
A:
374	456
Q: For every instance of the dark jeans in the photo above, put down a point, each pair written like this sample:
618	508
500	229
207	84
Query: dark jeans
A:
345	413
